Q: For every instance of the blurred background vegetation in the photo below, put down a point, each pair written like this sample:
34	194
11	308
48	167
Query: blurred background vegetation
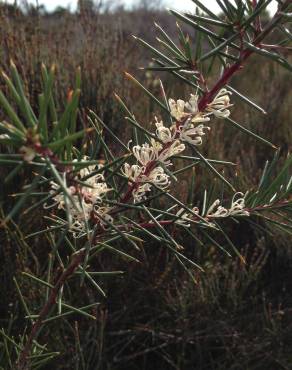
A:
155	317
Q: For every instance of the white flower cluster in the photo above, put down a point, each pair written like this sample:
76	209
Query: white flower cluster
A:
189	127
216	210
220	104
193	120
147	172
237	208
86	198
182	110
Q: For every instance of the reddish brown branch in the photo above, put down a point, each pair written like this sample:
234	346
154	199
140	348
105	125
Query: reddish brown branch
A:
245	54
23	363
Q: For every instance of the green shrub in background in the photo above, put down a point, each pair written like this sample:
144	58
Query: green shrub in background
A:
95	203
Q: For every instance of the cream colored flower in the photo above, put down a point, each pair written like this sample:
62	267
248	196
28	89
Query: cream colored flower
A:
158	177
192	104
139	192
135	173
156	147
175	148
219	106
85	199
237	208
163	133
200	118
177	109
146	153
216	210
180	109
193	134
238	205
95	193
132	172
59	198
84	172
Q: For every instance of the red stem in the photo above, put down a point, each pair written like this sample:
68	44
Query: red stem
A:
22	363
228	73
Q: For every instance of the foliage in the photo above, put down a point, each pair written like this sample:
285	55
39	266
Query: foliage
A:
95	203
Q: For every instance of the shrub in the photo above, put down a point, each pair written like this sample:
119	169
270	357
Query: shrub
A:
95	203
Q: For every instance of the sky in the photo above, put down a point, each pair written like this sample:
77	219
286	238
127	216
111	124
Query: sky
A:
186	5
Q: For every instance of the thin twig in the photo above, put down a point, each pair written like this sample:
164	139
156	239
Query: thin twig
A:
22	363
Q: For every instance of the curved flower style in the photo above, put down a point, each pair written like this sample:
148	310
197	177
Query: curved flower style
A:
157	177
132	172
192	104
220	104
238	205
143	181
177	109
163	133
175	148
192	134
139	192
237	208
145	153
180	109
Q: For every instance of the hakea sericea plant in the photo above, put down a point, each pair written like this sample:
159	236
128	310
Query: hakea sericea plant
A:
96	205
